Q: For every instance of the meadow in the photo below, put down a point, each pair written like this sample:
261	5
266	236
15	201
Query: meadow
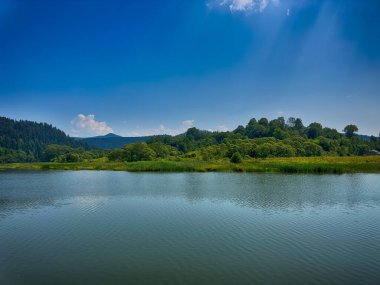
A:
324	164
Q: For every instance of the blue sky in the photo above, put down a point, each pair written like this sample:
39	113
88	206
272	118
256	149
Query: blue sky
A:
152	67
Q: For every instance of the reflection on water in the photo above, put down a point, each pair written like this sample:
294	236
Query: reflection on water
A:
188	228
267	191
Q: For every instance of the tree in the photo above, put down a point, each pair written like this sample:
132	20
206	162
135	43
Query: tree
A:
279	134
239	130
283	150
314	130
138	152
263	122
72	157
264	150
278	123
298	125
163	150
194	134
253	122
312	149
291	122
349	130
236	158
116	155
54	150
259	131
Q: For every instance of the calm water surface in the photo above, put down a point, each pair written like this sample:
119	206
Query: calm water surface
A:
99	227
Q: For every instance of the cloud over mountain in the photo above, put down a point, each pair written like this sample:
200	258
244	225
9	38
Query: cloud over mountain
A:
87	125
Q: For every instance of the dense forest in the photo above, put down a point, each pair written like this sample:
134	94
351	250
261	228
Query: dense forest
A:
26	141
258	139
23	141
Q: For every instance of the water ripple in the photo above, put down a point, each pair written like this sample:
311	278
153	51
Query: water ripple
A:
118	228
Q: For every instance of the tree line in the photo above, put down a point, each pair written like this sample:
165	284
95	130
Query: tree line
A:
23	141
258	139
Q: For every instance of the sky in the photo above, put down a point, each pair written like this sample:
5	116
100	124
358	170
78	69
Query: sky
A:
153	67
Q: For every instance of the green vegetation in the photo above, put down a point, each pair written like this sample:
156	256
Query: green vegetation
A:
236	158
258	139
351	164
261	145
111	141
25	141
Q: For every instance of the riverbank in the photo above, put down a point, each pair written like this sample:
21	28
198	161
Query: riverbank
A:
352	164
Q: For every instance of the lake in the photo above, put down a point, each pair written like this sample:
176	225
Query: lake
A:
104	227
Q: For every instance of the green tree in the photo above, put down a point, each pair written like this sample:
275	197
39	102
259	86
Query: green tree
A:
349	130
194	134
240	130
163	150
116	155
263	122
312	149
236	158
138	152
69	157
298	125
278	123
314	130
291	122
54	150
279	134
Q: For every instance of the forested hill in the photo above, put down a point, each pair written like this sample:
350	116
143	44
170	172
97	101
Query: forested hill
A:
112	141
25	141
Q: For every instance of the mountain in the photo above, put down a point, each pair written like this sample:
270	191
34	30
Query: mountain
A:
111	141
365	137
25	141
110	135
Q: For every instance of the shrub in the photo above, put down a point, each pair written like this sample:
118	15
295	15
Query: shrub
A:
236	158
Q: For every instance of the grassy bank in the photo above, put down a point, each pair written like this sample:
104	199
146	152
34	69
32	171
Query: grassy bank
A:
351	164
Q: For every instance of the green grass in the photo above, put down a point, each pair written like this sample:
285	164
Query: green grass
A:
353	164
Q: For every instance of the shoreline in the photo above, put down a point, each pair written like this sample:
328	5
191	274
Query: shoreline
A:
318	165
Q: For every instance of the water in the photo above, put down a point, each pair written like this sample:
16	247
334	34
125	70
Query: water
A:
191	228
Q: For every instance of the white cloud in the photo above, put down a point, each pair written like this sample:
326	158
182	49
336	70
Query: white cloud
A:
222	128
87	125
187	124
162	130
241	5
288	12
247	6
263	5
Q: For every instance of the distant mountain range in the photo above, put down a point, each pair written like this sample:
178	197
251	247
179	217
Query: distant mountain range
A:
365	137
111	141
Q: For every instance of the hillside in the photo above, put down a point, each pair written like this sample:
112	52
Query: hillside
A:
25	141
112	141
